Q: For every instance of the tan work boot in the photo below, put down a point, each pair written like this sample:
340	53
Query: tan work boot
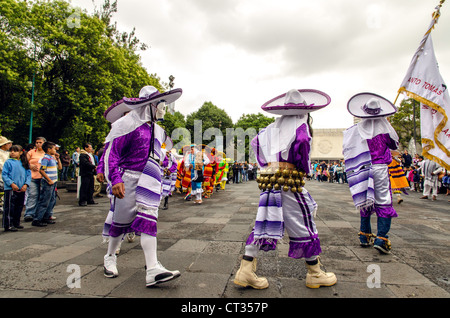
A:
316	277
246	276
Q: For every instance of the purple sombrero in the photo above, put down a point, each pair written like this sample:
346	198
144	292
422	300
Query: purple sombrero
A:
115	111
148	95
369	105
297	102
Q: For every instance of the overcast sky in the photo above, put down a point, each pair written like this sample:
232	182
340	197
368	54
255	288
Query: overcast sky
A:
238	54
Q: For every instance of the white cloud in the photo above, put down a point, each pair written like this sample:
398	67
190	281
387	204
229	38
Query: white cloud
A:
240	53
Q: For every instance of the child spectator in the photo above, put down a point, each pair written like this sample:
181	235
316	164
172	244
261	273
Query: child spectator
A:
416	178
411	177
16	176
47	197
34	157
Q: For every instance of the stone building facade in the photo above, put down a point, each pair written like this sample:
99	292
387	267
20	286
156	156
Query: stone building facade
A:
327	144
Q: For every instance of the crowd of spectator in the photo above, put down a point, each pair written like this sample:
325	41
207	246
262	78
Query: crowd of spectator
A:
243	172
333	172
29	179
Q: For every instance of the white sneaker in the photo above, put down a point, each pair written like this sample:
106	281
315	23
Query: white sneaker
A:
110	266
159	274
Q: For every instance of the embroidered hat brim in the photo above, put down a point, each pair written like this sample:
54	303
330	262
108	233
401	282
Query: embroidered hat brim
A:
116	110
357	106
167	97
126	104
313	100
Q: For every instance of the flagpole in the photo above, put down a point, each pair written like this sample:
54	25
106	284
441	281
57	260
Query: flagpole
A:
436	14
398	94
424	68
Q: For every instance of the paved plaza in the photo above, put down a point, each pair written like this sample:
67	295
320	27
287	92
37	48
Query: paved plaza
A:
205	242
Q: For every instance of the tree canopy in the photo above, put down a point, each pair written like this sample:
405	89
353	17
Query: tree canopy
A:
256	121
403	121
81	65
61	68
211	116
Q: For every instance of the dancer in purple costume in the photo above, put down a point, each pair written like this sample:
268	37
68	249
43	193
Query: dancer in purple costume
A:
282	152
131	167
367	152
169	169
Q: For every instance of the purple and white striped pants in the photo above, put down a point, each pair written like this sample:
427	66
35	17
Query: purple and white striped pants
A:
297	216
138	210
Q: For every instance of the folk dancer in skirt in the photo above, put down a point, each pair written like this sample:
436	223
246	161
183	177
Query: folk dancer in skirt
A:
131	166
177	158
367	152
195	162
221	175
282	150
169	169
178	173
185	174
209	173
397	177
179	176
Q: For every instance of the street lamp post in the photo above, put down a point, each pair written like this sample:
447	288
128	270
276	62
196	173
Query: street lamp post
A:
171	78
171	107
30	137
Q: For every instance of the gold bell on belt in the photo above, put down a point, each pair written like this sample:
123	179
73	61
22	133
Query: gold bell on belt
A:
281	176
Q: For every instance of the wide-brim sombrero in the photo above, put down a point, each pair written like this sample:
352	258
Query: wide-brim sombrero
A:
115	111
370	105
297	102
147	95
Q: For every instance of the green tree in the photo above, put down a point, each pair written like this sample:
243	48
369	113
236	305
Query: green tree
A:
172	122
16	71
251	124
405	120
256	121
209	116
83	64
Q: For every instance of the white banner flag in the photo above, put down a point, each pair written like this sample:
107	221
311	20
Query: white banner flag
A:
423	82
